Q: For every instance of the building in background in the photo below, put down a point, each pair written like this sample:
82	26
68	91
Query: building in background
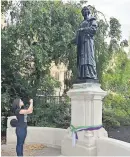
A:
59	72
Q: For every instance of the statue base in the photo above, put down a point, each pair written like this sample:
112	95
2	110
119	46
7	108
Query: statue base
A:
85	145
86	110
86	80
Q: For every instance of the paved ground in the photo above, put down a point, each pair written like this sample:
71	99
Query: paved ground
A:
30	150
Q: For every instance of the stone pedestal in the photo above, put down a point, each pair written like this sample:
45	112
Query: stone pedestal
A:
9	119
86	110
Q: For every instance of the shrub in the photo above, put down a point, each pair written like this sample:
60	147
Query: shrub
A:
51	113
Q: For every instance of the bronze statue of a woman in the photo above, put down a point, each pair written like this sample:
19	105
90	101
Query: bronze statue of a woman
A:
86	65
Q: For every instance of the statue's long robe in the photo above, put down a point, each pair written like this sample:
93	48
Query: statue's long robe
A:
85	49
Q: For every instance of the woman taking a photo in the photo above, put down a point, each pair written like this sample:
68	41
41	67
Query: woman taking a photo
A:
21	126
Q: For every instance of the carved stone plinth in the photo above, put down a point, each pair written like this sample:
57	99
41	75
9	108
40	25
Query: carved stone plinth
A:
86	110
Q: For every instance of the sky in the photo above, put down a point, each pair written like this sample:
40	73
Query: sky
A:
119	9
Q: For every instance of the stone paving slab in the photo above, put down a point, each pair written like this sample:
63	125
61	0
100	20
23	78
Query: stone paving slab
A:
10	150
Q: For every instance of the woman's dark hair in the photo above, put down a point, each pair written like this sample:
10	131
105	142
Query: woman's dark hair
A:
15	104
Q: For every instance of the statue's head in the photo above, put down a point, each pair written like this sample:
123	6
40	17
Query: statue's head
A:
85	11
